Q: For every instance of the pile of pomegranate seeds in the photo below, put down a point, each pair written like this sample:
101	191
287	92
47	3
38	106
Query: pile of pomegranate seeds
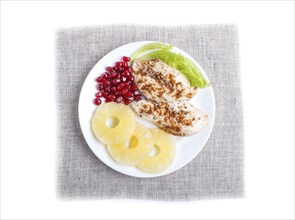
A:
117	84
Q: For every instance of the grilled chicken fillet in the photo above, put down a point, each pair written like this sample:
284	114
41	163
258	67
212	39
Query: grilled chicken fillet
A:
177	118
161	83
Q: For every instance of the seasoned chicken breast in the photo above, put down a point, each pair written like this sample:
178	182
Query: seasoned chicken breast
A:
177	118
159	82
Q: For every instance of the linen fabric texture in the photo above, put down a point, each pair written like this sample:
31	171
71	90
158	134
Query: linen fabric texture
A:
216	172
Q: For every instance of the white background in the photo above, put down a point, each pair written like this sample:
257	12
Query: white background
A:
28	121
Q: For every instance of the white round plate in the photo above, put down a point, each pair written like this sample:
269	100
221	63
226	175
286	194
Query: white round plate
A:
187	147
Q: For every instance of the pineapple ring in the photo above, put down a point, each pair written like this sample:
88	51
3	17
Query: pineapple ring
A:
120	131
166	153
141	145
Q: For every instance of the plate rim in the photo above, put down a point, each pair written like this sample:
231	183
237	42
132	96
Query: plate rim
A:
194	155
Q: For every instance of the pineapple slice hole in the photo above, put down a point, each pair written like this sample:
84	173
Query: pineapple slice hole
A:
132	142
164	151
155	151
112	122
135	148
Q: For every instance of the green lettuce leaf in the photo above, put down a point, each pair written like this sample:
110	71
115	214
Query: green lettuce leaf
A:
151	46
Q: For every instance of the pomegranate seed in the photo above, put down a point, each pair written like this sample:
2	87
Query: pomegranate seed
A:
99	79
125	65
127	83
119	99
114	89
106	75
107	89
124	91
121	86
118	93
106	83
128	94
126	59
116	82
126	74
121	69
100	87
108	100
98	94
119	76
133	88
104	94
113	75
109	69
137	97
97	101
111	97
130	70
127	101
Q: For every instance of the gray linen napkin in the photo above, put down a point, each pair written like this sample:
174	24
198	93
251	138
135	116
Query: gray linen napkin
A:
216	172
